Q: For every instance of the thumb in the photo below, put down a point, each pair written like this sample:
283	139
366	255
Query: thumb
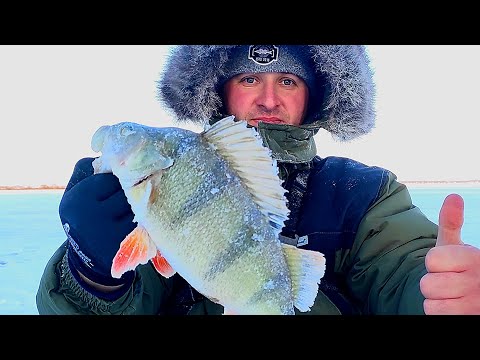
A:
450	221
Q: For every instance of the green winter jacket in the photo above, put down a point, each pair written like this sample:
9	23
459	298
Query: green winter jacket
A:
382	269
381	266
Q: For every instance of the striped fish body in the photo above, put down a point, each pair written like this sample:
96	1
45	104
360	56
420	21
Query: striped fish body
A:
199	212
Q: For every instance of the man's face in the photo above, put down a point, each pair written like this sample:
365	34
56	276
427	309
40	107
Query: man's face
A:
270	97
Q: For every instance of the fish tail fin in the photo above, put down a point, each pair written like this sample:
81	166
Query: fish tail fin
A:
307	268
229	312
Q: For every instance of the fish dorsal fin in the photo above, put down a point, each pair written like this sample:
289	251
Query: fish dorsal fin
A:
243	149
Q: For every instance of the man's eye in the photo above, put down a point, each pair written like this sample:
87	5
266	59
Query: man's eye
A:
248	80
288	82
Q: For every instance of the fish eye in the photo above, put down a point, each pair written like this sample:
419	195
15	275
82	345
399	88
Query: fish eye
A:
126	129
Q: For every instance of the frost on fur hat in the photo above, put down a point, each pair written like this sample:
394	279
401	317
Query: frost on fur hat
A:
193	75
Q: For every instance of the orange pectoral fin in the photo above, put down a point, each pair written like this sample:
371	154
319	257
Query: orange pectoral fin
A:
137	248
162	266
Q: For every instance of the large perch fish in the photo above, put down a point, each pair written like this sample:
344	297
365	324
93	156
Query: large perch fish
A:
209	206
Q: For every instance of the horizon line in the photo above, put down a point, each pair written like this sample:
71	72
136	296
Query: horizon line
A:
62	187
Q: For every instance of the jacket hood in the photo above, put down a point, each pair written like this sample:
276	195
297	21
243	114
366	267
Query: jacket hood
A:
190	87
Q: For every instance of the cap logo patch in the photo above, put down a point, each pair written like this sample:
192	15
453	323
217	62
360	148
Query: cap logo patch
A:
263	54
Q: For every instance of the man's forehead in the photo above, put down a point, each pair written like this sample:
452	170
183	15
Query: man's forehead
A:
286	60
268	74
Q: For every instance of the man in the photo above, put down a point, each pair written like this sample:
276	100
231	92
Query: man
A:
383	256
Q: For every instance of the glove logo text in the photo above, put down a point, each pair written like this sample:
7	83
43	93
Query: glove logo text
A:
87	261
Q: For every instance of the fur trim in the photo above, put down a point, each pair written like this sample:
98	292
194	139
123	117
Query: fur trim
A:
190	86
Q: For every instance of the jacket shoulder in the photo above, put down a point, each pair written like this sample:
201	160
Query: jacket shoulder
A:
348	181
340	192
348	174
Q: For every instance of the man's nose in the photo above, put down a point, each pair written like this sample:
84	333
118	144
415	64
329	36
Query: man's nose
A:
268	97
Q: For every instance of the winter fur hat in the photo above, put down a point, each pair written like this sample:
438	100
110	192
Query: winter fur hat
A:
339	78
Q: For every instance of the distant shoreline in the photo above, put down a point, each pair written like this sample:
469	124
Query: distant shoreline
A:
40	187
409	183
441	183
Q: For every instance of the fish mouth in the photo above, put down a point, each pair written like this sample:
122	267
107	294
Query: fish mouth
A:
145	178
142	180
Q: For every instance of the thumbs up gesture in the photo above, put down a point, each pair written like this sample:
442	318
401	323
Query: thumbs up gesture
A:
452	283
450	221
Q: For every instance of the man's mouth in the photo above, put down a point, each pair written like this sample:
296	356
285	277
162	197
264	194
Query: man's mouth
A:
254	122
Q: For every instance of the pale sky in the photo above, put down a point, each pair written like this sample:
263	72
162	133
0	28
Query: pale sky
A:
54	97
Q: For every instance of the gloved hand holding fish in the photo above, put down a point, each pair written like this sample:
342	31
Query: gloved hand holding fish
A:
210	207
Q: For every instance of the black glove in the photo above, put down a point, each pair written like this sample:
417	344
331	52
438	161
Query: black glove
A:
96	217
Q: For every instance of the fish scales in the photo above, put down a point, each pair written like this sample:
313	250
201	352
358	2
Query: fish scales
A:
237	240
201	215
